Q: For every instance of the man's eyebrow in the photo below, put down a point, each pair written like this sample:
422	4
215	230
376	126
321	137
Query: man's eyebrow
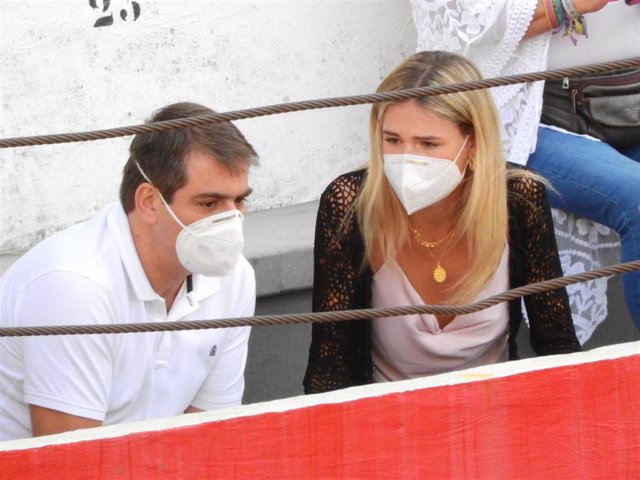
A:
220	196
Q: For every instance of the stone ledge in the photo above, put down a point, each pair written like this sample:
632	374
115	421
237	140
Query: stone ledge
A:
278	243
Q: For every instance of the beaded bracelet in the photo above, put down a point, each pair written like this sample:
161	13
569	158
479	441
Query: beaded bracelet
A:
558	12
562	15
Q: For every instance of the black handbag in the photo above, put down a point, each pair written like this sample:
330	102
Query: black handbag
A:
605	106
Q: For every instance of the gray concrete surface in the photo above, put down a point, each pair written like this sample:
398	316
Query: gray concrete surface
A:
279	244
278	354
619	326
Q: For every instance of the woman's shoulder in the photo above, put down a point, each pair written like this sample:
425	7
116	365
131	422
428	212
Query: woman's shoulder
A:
524	184
345	188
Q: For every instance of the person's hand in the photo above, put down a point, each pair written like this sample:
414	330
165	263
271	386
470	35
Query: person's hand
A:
589	6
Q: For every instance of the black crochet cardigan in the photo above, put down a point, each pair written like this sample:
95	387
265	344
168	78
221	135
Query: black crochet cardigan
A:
340	352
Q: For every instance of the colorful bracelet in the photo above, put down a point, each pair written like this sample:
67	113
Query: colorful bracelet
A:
549	13
577	26
570	9
562	15
575	22
558	11
555	13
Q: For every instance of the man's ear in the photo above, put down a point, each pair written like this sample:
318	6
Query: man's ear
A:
146	203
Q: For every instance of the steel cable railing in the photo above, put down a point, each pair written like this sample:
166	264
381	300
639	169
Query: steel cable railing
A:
319	317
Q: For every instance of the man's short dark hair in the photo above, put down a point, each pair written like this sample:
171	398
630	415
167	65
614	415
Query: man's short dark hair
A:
161	154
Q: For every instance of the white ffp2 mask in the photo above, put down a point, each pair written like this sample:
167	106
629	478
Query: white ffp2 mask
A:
209	246
420	181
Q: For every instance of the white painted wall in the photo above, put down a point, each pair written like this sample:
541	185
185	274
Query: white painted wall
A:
61	74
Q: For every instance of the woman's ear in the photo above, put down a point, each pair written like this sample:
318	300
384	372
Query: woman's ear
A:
471	152
146	203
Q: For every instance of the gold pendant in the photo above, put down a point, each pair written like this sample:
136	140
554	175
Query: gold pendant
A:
439	273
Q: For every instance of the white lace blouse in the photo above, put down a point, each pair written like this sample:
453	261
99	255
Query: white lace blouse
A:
489	32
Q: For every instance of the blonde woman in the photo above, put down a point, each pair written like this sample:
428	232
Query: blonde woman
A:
437	217
590	178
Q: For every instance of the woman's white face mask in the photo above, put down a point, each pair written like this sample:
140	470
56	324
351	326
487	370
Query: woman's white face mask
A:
210	246
420	181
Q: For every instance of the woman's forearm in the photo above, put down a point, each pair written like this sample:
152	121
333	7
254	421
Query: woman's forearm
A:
540	23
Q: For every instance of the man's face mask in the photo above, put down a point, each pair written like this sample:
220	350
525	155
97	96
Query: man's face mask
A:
210	246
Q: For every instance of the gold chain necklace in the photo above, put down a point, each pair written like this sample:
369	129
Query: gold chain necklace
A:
424	243
439	272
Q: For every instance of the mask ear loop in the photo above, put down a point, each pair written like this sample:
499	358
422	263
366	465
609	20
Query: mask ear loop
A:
166	205
458	156
461	148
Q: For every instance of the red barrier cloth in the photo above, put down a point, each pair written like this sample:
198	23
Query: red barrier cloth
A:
579	421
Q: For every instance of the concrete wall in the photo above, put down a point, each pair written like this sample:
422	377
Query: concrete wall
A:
91	64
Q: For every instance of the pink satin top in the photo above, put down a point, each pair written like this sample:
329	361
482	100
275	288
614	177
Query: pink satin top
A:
414	345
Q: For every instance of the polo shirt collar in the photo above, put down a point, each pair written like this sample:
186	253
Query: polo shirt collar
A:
204	286
118	224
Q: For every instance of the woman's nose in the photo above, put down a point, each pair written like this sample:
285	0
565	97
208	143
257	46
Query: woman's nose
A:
410	149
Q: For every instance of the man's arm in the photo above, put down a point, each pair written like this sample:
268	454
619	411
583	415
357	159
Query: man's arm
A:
45	421
224	386
67	378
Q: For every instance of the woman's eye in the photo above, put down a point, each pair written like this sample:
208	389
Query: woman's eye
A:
392	141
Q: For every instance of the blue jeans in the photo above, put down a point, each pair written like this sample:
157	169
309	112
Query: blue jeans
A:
595	181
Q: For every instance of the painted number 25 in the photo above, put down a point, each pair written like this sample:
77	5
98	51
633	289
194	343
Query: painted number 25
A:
129	11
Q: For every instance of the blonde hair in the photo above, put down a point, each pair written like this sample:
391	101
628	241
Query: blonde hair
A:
483	218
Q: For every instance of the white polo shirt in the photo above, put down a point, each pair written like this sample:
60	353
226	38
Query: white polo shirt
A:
91	274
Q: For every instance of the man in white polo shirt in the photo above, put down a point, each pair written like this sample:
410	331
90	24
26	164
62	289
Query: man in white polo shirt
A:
169	251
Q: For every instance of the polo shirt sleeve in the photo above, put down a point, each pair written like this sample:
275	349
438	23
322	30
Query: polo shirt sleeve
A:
224	386
67	373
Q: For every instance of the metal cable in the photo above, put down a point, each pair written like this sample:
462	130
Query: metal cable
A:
315	104
321	317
